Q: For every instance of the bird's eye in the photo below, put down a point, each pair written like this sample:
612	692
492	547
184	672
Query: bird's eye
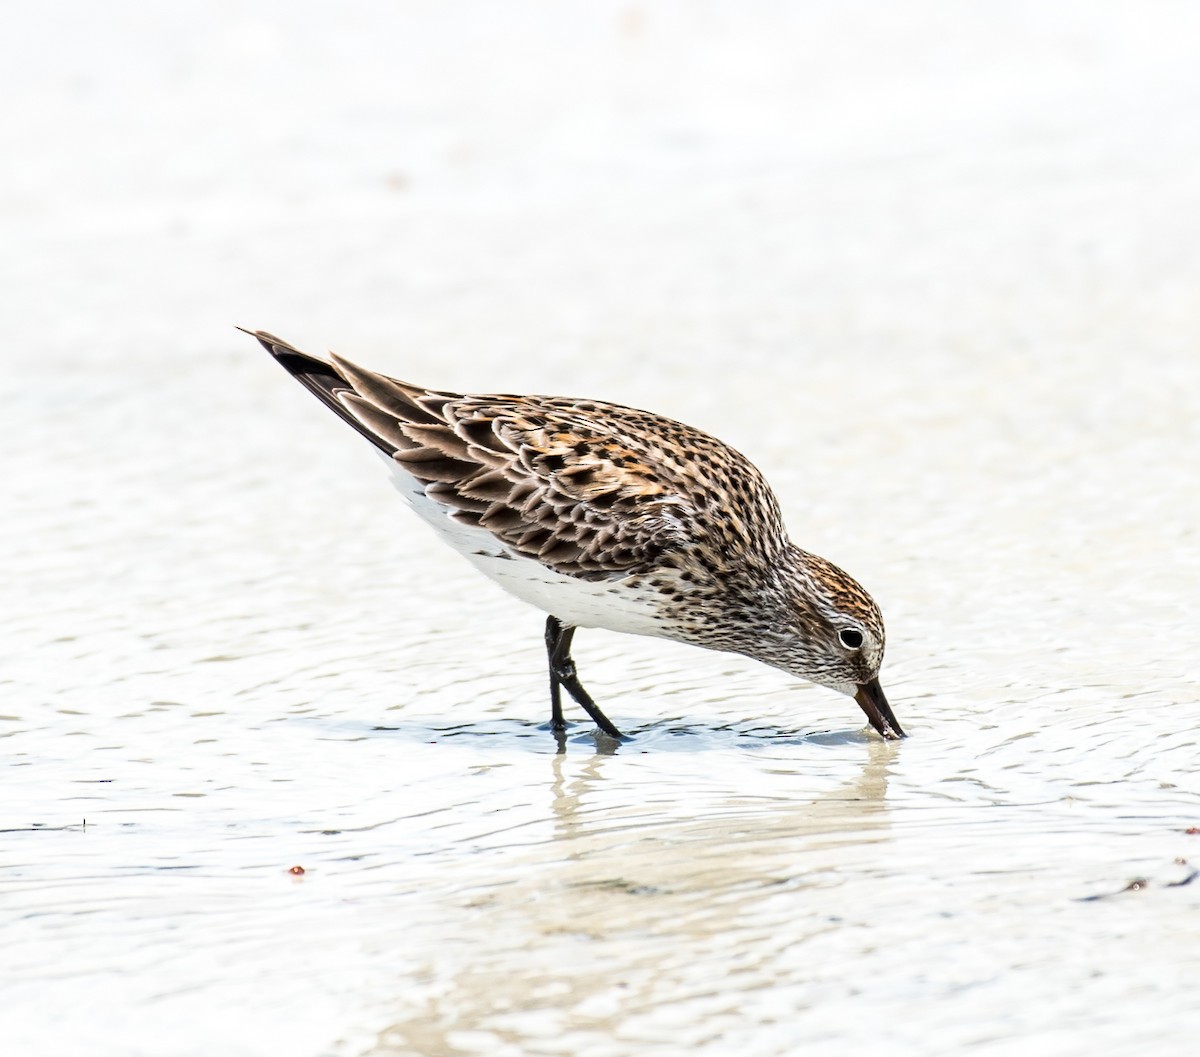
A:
851	638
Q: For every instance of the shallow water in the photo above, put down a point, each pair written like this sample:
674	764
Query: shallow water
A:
935	274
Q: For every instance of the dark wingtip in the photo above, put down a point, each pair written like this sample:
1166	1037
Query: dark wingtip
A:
298	364
320	378
275	346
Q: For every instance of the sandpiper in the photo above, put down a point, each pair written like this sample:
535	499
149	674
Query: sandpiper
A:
604	516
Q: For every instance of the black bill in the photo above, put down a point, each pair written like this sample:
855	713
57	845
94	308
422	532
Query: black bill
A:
871	700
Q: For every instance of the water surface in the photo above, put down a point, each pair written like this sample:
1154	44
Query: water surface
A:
935	274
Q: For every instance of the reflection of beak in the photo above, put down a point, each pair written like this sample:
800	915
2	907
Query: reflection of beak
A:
871	700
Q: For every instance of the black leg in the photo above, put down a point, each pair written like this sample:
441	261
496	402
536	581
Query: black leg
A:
562	673
554	632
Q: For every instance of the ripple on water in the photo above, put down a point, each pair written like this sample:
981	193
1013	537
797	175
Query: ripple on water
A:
225	645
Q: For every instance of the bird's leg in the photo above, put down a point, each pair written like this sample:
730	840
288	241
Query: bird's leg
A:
554	632
562	673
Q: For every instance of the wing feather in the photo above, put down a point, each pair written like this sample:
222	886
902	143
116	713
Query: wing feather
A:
588	489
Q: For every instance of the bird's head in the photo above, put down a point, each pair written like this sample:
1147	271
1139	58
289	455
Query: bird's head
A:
834	636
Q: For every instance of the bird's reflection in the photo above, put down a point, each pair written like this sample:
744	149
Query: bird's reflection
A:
653	860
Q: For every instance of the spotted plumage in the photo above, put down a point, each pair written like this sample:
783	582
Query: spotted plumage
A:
606	516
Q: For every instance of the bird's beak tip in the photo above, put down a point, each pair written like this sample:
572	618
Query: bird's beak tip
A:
874	703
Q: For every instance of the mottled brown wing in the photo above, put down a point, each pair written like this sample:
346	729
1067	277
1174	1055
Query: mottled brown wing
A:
554	485
540	474
591	489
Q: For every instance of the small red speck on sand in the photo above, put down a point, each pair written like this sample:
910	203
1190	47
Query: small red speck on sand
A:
296	871
1192	830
